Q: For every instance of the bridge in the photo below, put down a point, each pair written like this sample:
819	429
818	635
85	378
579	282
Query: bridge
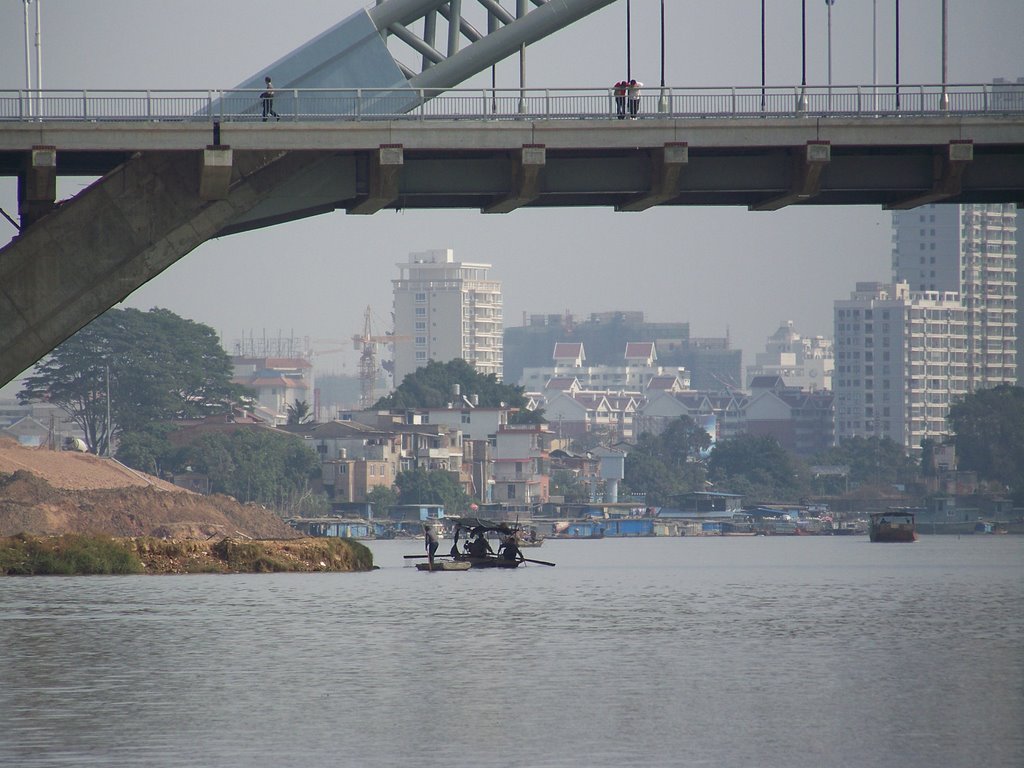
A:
361	132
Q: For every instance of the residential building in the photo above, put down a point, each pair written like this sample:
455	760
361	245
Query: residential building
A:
804	362
278	382
444	310
801	420
522	466
720	414
901	362
970	250
710	362
636	367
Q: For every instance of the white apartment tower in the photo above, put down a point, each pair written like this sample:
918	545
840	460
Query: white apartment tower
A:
445	310
970	250
901	361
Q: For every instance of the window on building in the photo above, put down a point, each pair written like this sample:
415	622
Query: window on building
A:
421	311
511	491
421	297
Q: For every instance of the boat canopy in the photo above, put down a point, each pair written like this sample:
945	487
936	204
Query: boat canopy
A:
479	525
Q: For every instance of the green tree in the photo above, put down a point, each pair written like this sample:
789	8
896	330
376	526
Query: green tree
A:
382	497
299	413
147	450
156	366
433	386
257	465
872	461
569	485
418	486
668	464
756	466
988	429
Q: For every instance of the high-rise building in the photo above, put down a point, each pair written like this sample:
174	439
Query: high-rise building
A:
445	310
970	250
901	361
805	362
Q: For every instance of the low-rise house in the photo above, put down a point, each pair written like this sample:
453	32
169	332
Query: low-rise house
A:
802	421
28	432
278	382
522	466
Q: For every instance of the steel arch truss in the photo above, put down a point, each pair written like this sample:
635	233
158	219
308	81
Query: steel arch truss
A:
437	43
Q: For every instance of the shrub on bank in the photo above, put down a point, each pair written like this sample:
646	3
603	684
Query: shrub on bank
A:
68	555
77	554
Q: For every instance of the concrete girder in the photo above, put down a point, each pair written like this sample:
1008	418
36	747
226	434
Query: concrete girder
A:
385	173
806	184
37	185
948	170
667	165
126	228
525	182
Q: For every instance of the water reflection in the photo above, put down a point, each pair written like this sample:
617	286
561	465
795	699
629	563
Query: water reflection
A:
788	652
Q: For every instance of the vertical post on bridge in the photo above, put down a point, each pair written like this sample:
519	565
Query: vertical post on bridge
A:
663	97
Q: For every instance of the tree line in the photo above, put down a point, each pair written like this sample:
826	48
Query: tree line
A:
131	379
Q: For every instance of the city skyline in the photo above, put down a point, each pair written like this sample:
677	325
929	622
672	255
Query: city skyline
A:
722	270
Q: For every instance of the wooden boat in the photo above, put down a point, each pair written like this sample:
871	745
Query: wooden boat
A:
478	554
444	565
896	525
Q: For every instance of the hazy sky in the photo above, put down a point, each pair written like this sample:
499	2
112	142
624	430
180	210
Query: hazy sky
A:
717	268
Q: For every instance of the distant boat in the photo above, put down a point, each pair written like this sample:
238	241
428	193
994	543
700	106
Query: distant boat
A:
895	525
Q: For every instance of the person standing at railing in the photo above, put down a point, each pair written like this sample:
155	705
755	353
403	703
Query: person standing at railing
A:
267	99
634	98
620	99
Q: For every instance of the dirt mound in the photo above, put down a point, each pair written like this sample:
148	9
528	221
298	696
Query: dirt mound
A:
55	493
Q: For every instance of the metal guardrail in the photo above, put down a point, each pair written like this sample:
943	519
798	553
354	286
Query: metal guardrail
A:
328	104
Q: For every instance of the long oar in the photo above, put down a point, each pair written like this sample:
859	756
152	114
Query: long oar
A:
538	562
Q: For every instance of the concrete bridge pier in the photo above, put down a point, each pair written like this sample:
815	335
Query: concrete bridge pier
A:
100	246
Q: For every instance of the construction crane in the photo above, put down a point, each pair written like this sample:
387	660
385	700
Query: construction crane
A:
367	344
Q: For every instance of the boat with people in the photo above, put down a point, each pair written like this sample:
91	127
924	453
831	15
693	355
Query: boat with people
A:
895	525
476	550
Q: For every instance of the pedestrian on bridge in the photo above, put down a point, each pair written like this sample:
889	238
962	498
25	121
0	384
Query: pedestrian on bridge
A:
620	98
634	98
267	99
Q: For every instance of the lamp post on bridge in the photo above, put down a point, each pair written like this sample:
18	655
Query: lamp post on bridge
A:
829	4
629	40
897	54
944	100
762	56
801	103
663	98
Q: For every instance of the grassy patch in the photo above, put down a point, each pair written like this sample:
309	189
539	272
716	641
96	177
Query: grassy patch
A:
68	555
75	554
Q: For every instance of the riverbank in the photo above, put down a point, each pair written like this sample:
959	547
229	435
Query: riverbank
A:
84	554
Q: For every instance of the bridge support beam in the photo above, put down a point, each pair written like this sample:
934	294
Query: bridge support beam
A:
113	237
385	173
667	165
37	185
806	177
215	174
948	171
527	170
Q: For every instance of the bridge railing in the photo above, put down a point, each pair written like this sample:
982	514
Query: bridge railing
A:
320	104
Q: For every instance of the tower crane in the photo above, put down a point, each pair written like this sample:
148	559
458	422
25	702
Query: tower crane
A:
367	344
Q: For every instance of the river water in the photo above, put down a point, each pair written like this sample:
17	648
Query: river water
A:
789	652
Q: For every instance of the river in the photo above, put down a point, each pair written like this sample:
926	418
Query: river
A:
788	652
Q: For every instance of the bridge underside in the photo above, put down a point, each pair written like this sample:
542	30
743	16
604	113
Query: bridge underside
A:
152	206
